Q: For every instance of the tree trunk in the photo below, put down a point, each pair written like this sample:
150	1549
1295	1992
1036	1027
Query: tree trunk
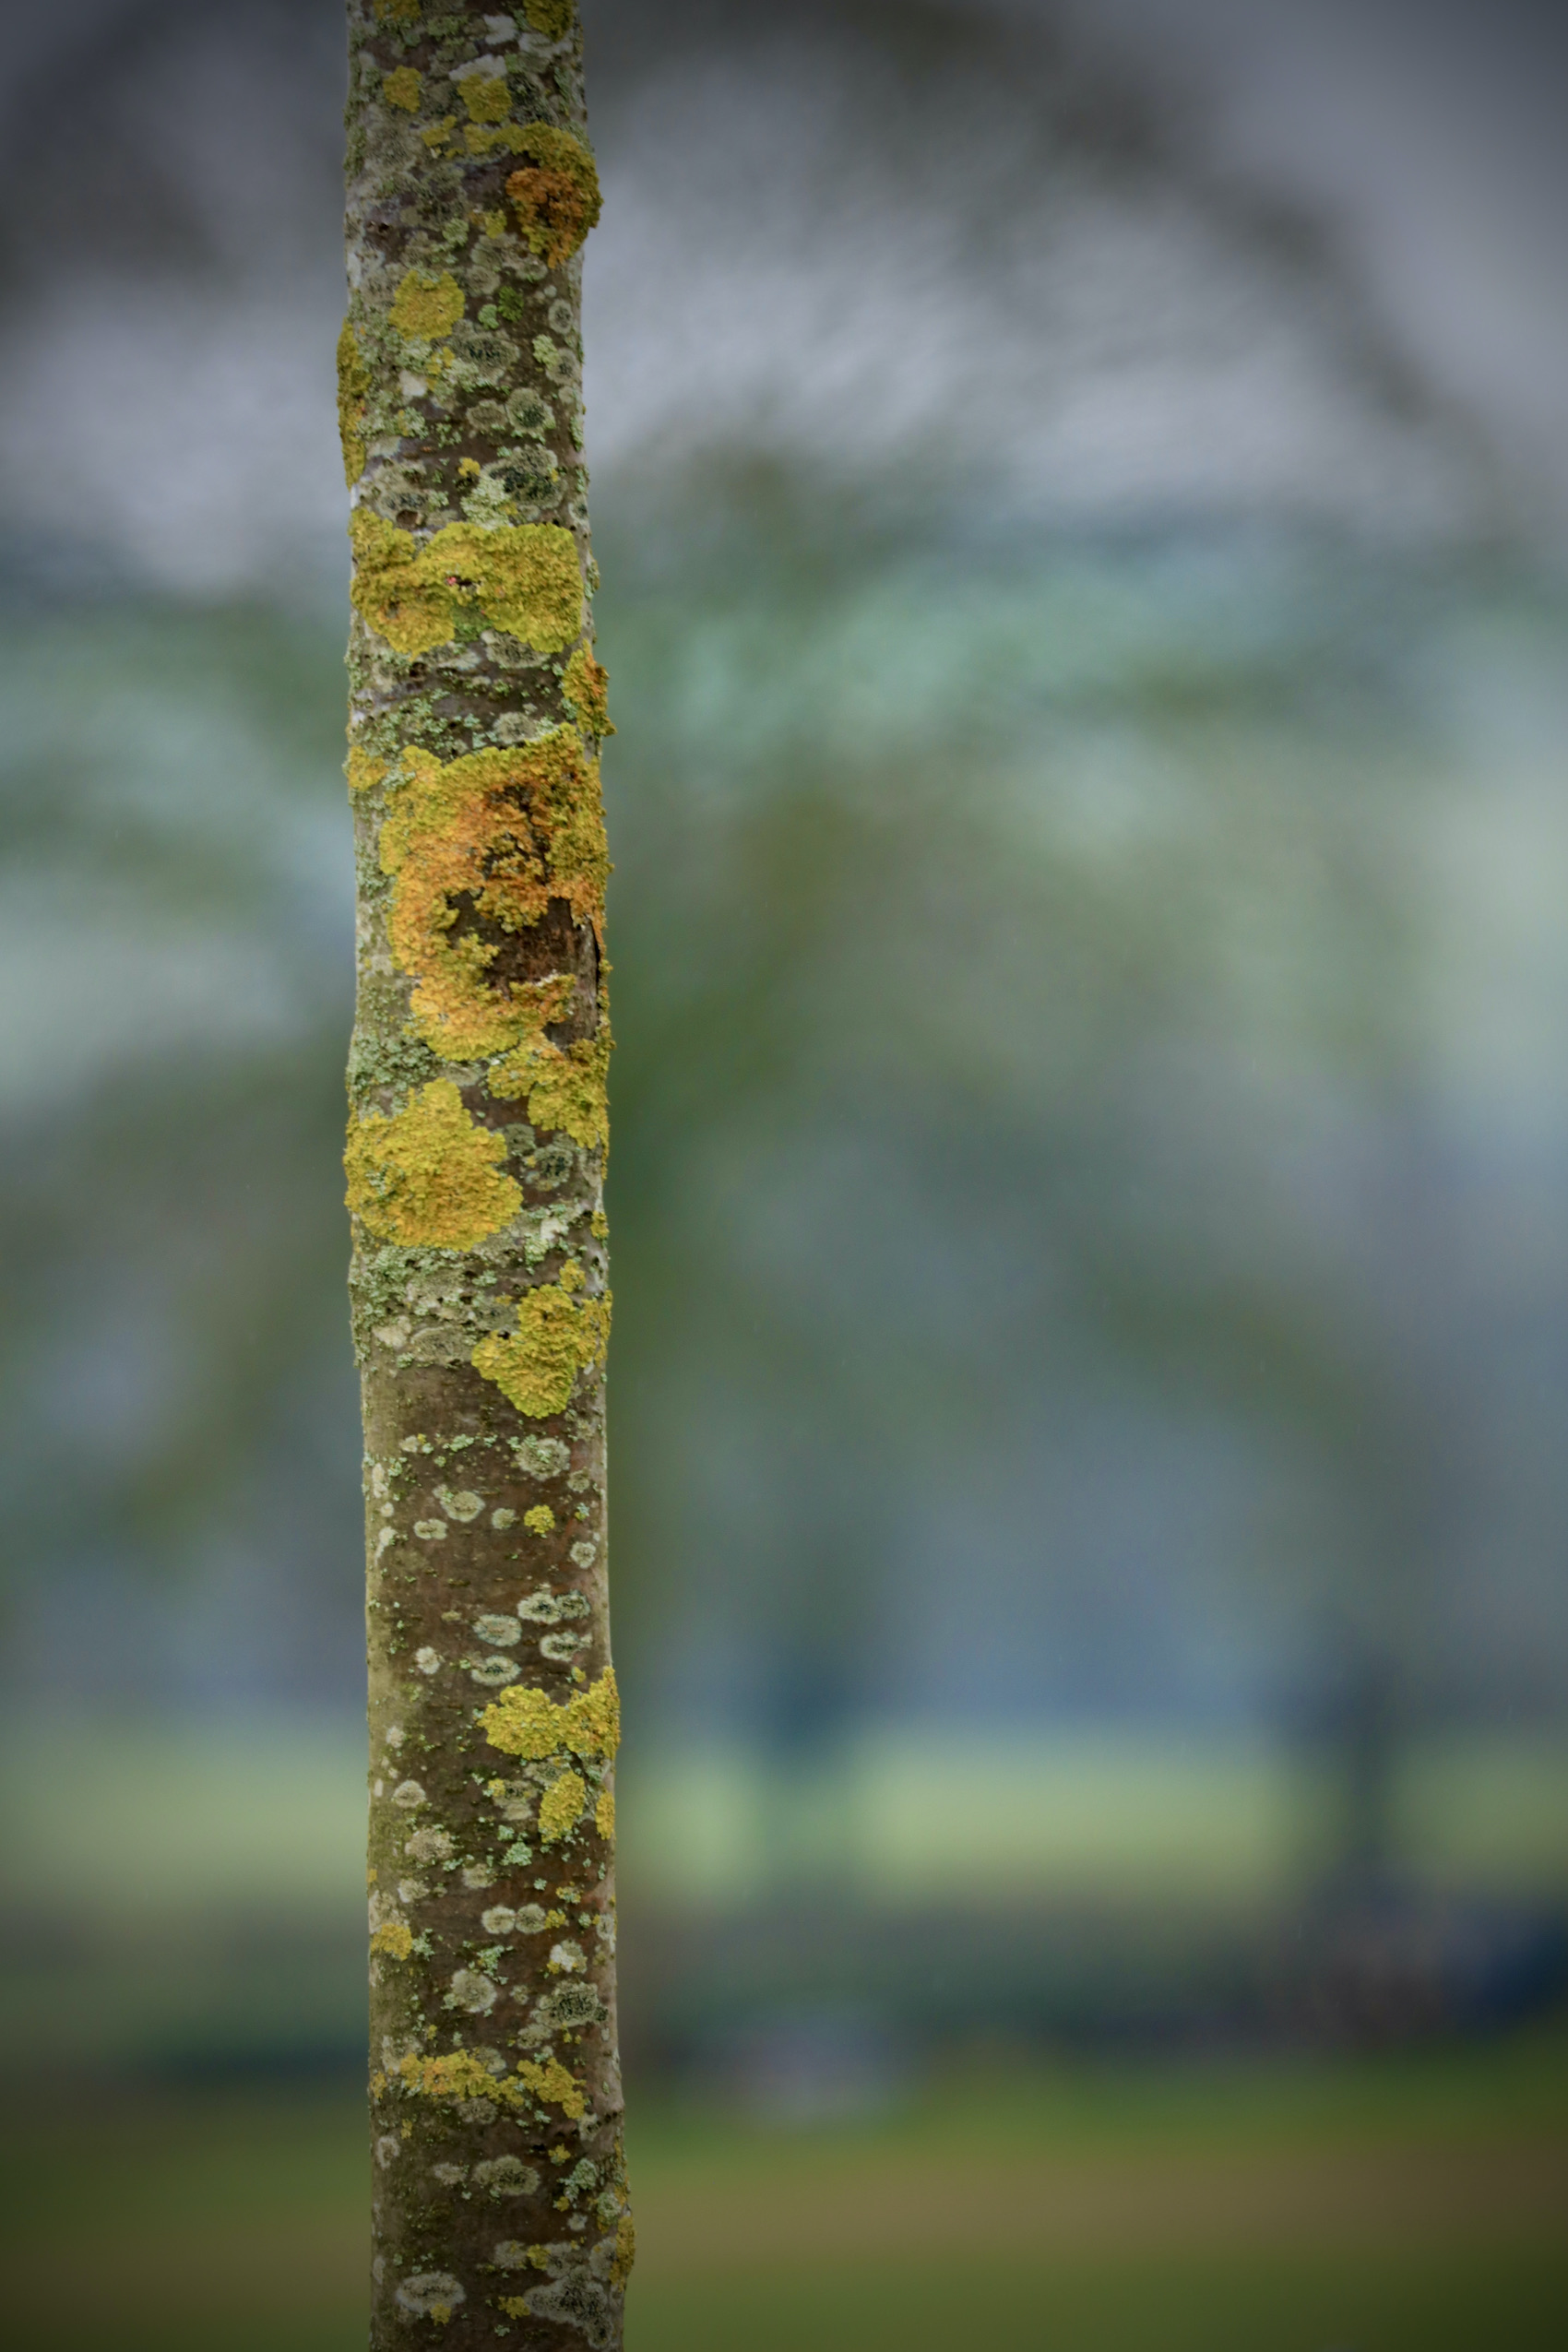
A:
476	1163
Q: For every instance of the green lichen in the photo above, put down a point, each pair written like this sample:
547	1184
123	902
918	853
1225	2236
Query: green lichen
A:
558	1338
353	387
427	307
429	1175
523	577
555	193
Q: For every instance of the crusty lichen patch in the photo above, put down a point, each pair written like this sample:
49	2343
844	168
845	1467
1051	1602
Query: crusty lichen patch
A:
524	1722
523	577
499	834
460	2075
552	18
555	193
585	689
566	1087
561	1807
559	1335
429	1175
401	87
353	385
426	307
363	770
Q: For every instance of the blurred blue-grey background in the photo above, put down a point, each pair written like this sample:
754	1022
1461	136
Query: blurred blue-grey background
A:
1081	495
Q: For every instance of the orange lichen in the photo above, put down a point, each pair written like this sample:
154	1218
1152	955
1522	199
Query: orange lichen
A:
558	1336
523	577
585	689
556	192
493	838
524	1722
430	1176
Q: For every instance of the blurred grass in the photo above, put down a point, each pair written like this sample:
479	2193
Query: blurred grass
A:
1410	2204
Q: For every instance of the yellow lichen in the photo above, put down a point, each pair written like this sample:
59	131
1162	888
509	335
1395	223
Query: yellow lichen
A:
514	2306
552	18
567	1086
561	1807
486	97
457	2076
398	12
353	384
364	769
426	307
626	2250
539	1520
394	1939
585	690
555	193
402	89
429	1175
523	577
604	1813
496	835
524	1722
437	134
552	2083
557	1338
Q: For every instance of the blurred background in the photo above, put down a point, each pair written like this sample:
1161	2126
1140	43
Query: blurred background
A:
1082	495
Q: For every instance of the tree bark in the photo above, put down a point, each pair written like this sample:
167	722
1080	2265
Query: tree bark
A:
475	1162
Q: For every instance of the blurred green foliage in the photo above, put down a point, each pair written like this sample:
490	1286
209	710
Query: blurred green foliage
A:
1087	1113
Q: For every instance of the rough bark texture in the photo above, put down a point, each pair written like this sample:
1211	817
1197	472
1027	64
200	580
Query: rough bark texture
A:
475	1162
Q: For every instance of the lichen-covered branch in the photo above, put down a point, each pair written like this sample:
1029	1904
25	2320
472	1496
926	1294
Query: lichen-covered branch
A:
476	1136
